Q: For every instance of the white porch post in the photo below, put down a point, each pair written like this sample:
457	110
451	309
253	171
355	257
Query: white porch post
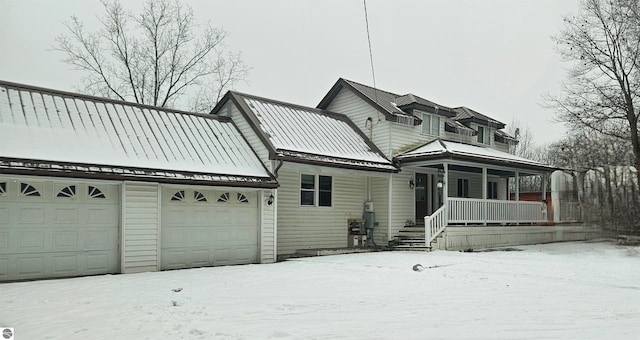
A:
445	189
484	194
517	198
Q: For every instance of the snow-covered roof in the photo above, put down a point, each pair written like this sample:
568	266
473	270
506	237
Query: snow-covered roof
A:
442	149
51	130
312	135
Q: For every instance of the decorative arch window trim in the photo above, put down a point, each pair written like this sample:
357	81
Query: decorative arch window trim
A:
67	192
178	196
224	198
199	197
242	198
94	192
27	189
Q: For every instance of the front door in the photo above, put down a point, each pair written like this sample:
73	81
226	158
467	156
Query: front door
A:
421	198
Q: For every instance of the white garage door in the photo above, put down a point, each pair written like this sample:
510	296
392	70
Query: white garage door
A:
52	228
208	228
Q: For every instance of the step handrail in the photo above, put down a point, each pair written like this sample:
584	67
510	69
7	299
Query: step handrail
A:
434	224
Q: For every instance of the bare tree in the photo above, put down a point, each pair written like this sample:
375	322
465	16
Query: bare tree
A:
602	89
153	57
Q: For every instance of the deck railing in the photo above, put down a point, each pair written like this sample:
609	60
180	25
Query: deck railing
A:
472	210
434	224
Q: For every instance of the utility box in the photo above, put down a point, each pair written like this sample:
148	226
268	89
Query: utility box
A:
368	206
356	232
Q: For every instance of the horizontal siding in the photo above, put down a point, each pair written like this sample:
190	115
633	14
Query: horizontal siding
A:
349	104
140	227
267	230
380	198
402	201
301	227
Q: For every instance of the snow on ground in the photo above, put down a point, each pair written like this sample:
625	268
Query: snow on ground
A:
563	290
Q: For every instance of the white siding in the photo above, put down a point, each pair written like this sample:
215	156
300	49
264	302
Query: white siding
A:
248	133
402	202
349	104
267	229
140	227
302	227
475	183
380	198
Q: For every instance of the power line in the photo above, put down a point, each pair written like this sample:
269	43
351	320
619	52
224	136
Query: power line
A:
373	73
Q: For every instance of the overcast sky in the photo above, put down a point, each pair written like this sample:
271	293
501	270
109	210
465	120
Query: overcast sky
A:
494	56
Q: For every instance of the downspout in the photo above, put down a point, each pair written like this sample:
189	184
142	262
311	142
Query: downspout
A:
389	210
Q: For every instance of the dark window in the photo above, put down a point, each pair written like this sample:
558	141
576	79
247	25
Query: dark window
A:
178	196
224	197
3	188
242	198
94	192
324	195
28	190
199	197
463	187
492	190
69	191
307	189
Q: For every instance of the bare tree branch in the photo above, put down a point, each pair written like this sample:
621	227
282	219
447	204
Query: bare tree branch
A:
153	57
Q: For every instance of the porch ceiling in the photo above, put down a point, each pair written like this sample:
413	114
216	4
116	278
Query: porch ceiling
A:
439	151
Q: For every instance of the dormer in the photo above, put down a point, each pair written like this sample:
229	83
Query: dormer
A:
484	126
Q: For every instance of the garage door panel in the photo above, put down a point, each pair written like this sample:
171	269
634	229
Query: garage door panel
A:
31	215
4	242
208	233
52	236
102	216
100	240
30	241
65	216
65	240
4	215
64	265
4	268
30	266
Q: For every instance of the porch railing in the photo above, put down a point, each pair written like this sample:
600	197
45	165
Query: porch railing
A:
434	224
472	210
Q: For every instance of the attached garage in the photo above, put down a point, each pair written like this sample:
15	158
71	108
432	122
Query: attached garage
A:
93	186
56	228
203	227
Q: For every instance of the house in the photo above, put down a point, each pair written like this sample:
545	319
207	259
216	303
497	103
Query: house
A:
455	175
92	186
326	167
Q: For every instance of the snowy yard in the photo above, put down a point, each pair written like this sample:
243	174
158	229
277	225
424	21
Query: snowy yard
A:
564	290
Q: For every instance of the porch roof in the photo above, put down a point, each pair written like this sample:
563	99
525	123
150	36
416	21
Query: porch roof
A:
440	150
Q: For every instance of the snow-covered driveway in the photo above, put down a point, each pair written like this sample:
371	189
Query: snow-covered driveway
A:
563	290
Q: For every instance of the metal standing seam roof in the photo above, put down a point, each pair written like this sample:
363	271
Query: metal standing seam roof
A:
440	148
48	130
313	135
467	113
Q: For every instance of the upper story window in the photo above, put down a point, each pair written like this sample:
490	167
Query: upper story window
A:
430	124
316	190
484	134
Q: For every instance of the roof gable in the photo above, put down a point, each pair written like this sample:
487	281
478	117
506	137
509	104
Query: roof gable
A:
300	133
51	126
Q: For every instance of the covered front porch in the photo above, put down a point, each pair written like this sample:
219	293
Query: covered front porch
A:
463	185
